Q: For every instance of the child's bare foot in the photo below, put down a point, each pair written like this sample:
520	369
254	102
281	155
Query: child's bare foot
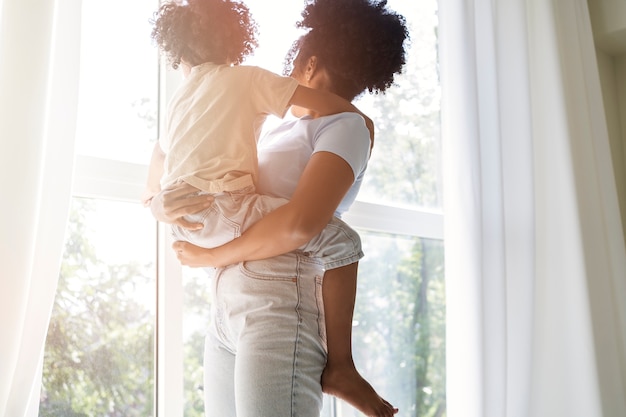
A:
346	383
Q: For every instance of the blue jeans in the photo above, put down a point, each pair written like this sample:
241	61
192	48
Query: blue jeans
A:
265	349
233	212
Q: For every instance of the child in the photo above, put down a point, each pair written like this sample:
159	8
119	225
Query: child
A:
211	130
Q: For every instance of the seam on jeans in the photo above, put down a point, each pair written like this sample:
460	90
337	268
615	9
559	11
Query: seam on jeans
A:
343	261
245	270
190	235
217	318
353	254
296	346
319	305
235	225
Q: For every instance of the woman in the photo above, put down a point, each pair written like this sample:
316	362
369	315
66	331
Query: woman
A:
265	353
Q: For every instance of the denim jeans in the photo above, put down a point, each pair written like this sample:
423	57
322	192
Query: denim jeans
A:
265	349
233	212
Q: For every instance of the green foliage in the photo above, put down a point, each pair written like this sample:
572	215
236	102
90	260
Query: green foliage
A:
196	316
194	400
146	111
99	351
399	333
405	163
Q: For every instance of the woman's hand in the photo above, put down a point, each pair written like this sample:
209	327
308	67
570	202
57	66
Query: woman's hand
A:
178	200
191	255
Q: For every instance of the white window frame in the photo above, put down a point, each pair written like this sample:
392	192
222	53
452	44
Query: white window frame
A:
101	178
123	181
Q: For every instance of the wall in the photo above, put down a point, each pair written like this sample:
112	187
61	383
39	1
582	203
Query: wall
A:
608	19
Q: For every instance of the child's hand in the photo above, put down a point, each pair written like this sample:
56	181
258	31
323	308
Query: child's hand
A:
173	203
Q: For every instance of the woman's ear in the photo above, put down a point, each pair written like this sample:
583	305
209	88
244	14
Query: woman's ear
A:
311	68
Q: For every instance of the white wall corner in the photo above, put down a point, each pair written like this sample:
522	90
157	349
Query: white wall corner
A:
608	18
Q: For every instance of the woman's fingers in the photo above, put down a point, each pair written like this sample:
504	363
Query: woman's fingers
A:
182	199
180	207
191	255
188	225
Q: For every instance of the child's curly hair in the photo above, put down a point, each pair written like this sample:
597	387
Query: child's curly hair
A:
199	31
359	42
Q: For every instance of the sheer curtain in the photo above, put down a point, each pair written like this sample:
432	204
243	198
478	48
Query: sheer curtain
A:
39	59
535	258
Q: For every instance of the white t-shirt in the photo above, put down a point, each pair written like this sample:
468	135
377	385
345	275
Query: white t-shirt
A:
286	148
214	121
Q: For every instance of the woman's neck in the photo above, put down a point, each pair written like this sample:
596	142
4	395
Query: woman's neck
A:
302	111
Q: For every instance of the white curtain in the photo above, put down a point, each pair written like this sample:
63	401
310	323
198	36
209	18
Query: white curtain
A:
39	58
535	258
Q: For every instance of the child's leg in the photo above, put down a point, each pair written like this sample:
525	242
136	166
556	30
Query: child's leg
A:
340	377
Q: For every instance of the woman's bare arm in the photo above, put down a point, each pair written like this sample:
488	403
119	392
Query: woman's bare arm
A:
323	184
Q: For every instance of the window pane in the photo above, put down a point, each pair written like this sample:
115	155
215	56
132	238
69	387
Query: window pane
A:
399	323
117	114
196	312
404	169
99	354
277	31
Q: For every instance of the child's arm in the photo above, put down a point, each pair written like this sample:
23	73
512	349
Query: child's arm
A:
155	172
325	103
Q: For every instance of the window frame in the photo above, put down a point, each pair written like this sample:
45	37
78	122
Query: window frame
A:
100	178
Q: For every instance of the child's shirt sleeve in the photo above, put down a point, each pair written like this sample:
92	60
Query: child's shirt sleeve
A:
271	93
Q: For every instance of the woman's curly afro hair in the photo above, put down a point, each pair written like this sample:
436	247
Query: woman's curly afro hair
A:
359	42
199	31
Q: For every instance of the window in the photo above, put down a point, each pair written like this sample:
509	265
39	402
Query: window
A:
100	350
117	114
128	322
399	322
99	357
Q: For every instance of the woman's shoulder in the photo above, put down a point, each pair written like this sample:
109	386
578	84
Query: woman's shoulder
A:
348	119
346	135
347	124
